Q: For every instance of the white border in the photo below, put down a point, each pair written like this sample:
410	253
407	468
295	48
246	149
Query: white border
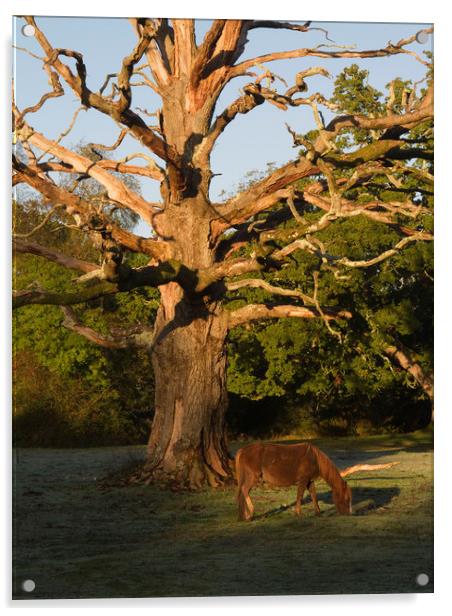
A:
435	11
326	10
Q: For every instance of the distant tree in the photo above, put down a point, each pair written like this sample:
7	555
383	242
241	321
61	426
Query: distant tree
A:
201	250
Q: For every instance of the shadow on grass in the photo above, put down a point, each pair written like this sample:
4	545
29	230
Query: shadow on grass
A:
365	499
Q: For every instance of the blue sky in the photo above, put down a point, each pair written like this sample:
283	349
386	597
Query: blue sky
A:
251	140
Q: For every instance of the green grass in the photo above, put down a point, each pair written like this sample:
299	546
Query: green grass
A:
76	540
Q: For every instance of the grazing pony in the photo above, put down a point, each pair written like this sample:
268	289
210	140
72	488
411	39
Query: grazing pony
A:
286	465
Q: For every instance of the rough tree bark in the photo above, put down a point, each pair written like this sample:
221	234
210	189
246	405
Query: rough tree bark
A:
194	254
188	438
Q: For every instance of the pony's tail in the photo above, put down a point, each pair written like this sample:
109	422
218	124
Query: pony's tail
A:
243	509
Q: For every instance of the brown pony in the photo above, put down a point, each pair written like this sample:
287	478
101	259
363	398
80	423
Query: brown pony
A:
286	465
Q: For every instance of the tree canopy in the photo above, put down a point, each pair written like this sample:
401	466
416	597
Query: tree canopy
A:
333	247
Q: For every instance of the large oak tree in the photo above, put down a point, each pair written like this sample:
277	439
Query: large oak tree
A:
201	250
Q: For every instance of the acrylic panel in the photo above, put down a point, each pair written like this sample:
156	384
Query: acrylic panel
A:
223	315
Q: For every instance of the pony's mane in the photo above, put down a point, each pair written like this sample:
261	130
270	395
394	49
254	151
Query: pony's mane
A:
328	471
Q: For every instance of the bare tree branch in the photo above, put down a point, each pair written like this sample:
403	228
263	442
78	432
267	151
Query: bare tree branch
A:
184	45
56	91
128	64
42	224
118	339
116	189
151	276
255	312
384	255
86	218
262	195
20	246
113	165
213	65
404	358
390	49
279	25
158	61
90	99
259	283
43	297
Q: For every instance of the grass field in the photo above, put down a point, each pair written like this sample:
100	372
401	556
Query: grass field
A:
75	539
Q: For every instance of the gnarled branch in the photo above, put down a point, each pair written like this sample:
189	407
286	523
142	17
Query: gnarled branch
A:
95	100
389	50
26	247
404	358
117	339
86	218
261	195
256	312
151	276
116	189
350	470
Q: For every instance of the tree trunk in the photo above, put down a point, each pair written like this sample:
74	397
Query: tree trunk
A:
187	445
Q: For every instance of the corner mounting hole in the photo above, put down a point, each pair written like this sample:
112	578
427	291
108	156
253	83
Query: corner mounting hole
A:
422	579
422	37
28	30
28	585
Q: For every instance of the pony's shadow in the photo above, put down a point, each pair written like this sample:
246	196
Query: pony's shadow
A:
364	501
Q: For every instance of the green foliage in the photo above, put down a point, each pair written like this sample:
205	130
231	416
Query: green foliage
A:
301	362
92	395
354	95
302	371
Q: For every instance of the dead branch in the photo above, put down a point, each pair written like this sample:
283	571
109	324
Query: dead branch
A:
184	45
66	132
255	312
262	195
113	165
20	246
384	255
366	467
95	100
116	190
326	320
161	39
401	355
117	143
152	276
42	224
390	49
117	339
56	91
128	64
259	283
86	218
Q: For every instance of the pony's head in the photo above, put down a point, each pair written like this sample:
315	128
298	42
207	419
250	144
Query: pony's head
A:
343	499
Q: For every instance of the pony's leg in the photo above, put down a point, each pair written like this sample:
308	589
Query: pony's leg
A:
313	493
241	499
249	504
301	488
246	507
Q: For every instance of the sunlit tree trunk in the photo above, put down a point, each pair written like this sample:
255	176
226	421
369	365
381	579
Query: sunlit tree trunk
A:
187	441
